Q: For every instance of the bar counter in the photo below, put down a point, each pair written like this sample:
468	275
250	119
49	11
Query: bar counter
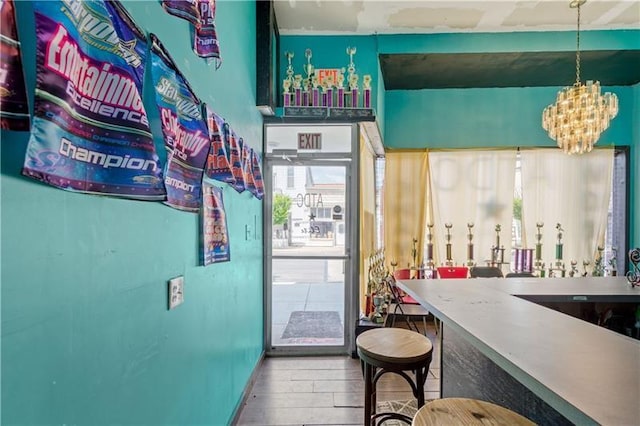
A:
588	374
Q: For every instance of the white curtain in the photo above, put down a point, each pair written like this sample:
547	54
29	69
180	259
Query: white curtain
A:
472	186
570	190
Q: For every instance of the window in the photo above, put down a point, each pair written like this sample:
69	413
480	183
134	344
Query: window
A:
290	177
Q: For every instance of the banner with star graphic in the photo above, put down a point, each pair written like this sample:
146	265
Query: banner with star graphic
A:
90	129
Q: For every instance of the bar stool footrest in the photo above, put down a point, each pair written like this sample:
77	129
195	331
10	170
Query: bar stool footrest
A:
380	418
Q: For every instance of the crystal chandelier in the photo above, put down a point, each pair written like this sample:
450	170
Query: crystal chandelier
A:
580	113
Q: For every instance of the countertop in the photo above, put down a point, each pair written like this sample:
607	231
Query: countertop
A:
589	374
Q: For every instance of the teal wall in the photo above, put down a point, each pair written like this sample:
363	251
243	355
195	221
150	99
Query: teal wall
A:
463	118
86	335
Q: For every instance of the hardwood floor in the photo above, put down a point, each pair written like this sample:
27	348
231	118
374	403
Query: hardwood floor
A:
323	390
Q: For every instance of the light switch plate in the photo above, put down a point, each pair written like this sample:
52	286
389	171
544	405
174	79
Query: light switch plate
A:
176	294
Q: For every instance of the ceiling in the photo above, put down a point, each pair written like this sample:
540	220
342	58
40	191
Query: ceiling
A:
511	69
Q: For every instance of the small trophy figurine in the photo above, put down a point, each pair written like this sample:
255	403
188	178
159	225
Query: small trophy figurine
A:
448	226
574	269
470	261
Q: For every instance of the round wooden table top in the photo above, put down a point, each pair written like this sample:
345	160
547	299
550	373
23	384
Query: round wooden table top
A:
394	345
464	411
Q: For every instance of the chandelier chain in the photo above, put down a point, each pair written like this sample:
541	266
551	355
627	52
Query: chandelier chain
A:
578	49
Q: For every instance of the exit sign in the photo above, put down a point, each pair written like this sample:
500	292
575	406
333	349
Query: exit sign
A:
309	141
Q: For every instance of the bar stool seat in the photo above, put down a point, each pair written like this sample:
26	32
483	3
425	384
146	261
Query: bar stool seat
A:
464	411
392	350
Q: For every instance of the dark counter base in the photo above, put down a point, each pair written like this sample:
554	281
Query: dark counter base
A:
466	372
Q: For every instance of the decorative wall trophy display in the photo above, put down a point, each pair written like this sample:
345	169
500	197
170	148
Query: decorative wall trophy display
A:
558	265
449	261
470	261
326	92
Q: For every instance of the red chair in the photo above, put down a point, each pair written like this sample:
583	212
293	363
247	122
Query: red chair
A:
453	271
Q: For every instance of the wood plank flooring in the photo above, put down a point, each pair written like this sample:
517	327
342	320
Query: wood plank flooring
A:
323	390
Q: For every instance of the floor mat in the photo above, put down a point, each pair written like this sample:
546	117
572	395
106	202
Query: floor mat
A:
408	408
313	324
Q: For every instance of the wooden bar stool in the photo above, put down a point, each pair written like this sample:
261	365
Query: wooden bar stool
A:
464	411
392	350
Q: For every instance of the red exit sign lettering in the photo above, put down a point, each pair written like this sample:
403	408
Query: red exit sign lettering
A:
309	141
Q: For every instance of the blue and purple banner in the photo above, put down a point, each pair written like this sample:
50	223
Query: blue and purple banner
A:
215	235
185	131
202	14
218	167
14	109
90	130
257	175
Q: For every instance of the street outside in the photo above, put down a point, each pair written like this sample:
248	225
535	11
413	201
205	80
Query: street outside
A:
311	285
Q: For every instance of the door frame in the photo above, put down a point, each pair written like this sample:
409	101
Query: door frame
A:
351	259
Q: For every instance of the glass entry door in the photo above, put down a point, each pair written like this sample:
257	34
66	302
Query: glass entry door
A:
308	262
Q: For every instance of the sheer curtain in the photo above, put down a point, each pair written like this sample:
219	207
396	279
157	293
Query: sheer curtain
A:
472	186
572	190
367	214
404	204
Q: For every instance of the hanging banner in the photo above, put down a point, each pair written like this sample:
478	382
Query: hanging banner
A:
257	175
218	167
185	131
247	168
14	109
90	130
236	161
215	235
202	14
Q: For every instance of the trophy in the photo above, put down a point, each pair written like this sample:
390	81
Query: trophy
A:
315	92
308	69
470	261
297	90
448	226
329	91
340	89
430	245
613	262
559	264
598	265
497	252
288	81
538	264
574	269
366	91
353	78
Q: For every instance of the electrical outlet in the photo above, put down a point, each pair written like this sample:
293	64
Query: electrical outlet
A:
176	294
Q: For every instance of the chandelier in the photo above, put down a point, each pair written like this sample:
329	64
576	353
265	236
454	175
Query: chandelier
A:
580	113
